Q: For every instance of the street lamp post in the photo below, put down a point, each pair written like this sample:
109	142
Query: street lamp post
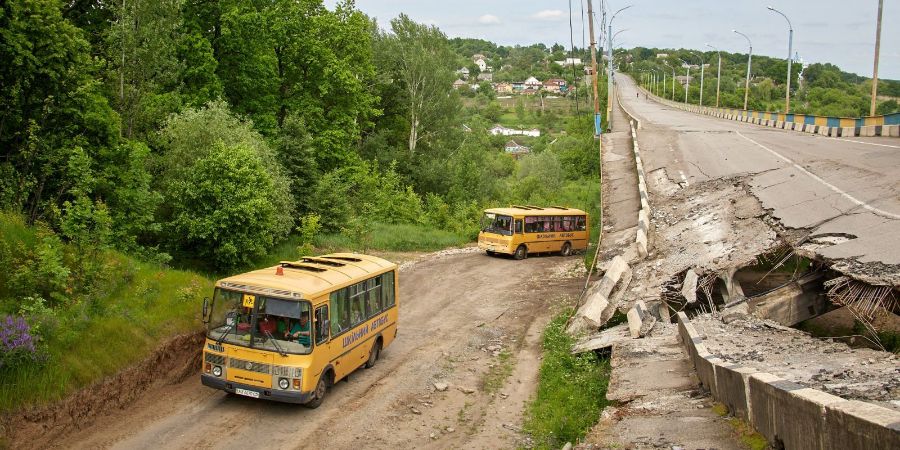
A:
700	57
687	80
718	73
877	53
790	61
673	80
609	66
749	61
661	89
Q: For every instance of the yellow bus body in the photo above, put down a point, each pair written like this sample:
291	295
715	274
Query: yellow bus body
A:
533	240
256	372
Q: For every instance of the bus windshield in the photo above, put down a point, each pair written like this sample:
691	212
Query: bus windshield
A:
257	321
497	223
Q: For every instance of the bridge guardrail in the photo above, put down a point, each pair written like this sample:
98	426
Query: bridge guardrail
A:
886	125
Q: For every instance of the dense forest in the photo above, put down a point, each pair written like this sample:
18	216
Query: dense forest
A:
822	89
216	135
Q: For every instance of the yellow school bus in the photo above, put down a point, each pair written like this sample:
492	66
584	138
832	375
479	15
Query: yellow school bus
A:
520	230
289	332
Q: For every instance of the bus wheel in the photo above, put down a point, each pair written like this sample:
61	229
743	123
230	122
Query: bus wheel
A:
374	354
521	252
318	394
490	253
566	249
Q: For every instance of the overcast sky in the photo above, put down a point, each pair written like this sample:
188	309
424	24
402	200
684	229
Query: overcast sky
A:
837	31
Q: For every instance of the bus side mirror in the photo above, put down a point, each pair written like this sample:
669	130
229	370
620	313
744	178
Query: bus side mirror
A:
205	310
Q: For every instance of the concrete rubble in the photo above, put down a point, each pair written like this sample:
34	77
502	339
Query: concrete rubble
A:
855	374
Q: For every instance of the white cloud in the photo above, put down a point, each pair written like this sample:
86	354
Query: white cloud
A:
488	19
548	14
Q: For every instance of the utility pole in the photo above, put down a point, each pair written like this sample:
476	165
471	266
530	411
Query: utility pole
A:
597	117
877	51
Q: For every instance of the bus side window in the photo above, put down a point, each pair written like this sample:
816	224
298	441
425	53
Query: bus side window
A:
357	304
387	289
375	303
321	324
519	226
340	306
581	223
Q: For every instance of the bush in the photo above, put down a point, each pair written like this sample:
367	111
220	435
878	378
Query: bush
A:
197	134
225	209
41	272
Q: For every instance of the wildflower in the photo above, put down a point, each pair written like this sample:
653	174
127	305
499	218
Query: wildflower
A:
17	344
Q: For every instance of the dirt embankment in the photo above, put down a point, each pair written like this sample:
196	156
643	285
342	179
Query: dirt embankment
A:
458	375
171	363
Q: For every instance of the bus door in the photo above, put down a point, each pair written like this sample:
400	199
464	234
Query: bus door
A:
322	336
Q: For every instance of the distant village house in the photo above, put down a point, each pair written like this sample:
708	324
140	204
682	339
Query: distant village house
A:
516	150
503	131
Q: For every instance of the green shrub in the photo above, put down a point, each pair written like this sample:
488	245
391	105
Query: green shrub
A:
224	208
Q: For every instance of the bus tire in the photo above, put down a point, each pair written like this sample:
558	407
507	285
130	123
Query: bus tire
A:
521	252
374	354
566	249
319	393
490	253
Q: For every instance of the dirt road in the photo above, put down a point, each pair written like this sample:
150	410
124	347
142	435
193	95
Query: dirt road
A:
468	320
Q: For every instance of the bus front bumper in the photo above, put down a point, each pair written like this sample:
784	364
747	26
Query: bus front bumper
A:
264	393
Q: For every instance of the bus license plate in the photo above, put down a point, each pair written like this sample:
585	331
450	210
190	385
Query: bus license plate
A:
246	392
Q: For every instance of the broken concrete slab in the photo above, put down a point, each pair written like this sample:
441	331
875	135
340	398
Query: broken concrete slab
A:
789	305
689	286
597	308
605	339
640	321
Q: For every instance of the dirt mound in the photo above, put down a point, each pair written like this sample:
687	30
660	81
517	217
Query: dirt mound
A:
172	362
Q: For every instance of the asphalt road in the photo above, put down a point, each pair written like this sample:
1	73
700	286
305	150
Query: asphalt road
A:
845	190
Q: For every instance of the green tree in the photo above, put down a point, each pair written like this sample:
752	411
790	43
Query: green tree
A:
224	210
50	105
143	62
419	57
193	134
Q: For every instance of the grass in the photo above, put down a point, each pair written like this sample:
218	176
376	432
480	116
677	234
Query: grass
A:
571	390
118	324
496	376
745	433
394	238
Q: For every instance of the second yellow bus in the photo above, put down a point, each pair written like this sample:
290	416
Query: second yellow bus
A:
520	230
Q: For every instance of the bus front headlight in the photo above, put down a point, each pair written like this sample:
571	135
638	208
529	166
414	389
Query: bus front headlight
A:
217	371
283	383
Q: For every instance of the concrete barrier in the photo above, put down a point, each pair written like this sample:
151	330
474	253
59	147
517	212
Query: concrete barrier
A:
860	424
891	130
732	382
848	131
641	240
789	415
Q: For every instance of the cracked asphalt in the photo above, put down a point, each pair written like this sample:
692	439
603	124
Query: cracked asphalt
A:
817	186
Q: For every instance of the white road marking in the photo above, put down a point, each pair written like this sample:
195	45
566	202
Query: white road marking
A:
834	188
862	142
